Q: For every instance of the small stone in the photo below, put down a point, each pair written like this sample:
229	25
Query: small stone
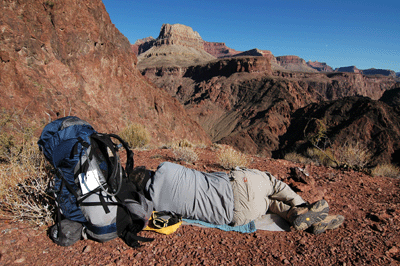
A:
393	250
21	260
87	249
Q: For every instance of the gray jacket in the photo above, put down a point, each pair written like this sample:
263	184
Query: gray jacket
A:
193	194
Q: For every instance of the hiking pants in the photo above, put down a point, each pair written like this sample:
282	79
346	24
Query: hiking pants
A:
257	192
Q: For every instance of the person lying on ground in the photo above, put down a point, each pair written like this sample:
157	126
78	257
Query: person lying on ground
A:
235	199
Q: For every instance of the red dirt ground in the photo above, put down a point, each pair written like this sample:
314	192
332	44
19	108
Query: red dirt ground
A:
369	236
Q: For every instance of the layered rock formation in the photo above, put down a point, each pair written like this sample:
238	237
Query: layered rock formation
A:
384	72
65	57
219	49
177	45
179	34
294	63
258	52
351	69
371	71
142	45
320	66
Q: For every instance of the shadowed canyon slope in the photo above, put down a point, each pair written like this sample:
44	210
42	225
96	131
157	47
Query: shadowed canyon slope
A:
66	57
373	124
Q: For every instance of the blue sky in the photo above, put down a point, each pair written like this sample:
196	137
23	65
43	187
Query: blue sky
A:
365	34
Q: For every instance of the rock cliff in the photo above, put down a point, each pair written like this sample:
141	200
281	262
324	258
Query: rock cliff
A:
351	69
65	57
294	63
219	49
320	66
384	72
179	34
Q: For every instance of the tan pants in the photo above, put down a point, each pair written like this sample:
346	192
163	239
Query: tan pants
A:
257	192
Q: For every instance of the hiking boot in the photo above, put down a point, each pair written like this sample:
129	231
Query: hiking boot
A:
330	222
303	217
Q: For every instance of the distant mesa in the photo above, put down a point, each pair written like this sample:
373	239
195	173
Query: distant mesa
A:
351	69
320	66
219	49
384	72
370	71
294	63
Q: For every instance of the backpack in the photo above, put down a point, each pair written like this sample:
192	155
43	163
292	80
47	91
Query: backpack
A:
91	187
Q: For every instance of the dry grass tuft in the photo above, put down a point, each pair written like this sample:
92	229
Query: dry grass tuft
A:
229	158
388	170
355	155
185	154
136	135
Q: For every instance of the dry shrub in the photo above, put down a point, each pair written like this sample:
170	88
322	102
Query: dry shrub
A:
185	143
354	155
24	175
388	170
185	154
136	135
297	158
229	158
323	157
179	143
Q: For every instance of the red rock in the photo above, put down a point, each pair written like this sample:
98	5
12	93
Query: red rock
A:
66	58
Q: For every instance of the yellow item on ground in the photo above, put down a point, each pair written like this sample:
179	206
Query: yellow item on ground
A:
163	223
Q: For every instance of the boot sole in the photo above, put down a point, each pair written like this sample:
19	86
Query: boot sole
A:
321	227
316	213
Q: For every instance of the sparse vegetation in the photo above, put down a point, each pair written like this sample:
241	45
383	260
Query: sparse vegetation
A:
352	154
180	143
388	170
355	155
185	154
24	175
136	135
297	158
229	158
323	157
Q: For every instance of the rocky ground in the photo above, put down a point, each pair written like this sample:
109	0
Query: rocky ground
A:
370	234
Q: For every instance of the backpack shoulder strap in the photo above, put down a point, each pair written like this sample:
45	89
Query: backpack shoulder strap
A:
129	154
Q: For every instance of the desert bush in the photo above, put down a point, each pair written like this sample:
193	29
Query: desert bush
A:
24	173
323	157
179	143
229	158
186	154
136	135
355	155
297	158
185	143
388	170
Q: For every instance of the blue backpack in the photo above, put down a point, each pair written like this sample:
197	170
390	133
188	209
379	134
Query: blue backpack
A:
91	187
